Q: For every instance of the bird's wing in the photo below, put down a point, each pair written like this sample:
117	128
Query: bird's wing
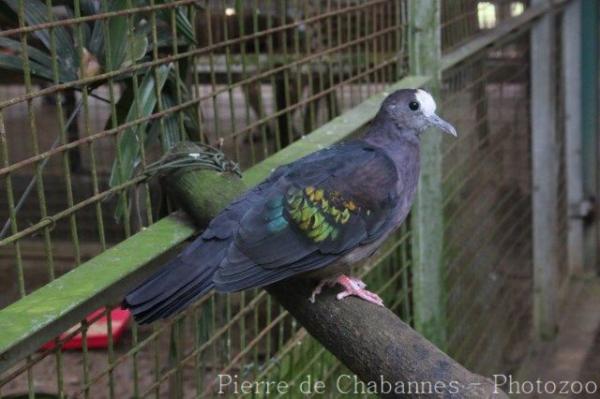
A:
316	210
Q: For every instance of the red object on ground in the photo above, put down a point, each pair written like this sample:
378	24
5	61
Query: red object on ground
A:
97	333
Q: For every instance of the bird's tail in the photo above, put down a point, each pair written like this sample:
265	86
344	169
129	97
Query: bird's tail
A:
178	283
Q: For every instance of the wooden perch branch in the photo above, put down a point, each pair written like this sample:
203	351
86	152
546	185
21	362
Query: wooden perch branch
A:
370	340
376	345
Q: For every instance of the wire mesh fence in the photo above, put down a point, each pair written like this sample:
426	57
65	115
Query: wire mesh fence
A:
464	19
249	77
488	186
561	133
245	336
94	91
487	208
255	81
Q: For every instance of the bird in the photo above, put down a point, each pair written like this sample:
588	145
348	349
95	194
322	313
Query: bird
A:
311	218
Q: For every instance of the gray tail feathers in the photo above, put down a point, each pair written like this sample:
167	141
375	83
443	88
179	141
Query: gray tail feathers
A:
178	283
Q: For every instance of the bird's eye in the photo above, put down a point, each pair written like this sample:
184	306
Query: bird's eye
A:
413	105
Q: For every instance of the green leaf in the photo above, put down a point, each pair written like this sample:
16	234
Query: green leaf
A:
125	48
95	44
37	13
88	7
128	144
14	63
38	60
192	125
136	50
183	24
117	36
34	54
171	134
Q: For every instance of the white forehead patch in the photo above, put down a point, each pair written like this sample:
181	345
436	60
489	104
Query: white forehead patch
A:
427	102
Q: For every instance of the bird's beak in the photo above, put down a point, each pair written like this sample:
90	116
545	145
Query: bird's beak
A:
442	124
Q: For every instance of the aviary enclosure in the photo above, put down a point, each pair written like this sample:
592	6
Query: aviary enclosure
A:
92	92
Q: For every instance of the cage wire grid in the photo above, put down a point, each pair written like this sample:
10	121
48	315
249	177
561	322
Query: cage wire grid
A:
367	49
487	208
256	75
465	19
253	77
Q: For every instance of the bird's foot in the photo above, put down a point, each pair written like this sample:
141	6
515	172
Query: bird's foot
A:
353	287
325	282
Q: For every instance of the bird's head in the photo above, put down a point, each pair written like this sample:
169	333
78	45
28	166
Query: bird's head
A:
414	109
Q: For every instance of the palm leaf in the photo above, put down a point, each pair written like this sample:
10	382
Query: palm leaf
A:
184	26
88	7
169	129
36	13
128	145
131	140
136	50
125	48
182	21
34	54
117	34
15	63
192	125
40	63
95	44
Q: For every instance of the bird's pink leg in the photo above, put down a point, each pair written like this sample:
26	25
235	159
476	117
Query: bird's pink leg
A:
355	287
352	287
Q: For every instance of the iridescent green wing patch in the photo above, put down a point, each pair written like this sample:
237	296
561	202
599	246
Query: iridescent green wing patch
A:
319	213
274	214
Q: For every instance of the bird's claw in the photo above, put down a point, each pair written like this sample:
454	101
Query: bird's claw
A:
316	291
356	287
319	288
352	287
363	294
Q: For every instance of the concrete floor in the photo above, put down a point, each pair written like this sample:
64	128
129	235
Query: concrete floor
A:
573	358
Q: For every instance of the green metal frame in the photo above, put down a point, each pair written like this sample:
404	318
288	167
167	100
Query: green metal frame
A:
545	170
589	124
427	220
503	33
30	322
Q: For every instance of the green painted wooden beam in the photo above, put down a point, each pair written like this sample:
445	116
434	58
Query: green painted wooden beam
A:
427	219
589	124
504	32
571	80
545	173
30	322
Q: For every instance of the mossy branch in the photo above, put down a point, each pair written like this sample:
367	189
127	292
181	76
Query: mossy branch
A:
370	340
